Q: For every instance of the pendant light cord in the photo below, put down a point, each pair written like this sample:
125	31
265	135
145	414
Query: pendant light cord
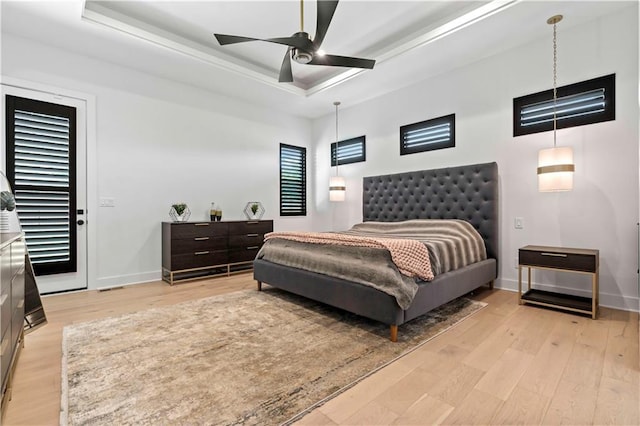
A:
555	74
337	143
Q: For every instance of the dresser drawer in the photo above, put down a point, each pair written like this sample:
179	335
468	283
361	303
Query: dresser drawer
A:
198	229
199	259
549	257
250	227
194	244
246	255
244	241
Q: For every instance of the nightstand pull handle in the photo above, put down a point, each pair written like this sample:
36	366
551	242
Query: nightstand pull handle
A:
252	235
201	238
252	222
253	247
553	254
201	224
198	253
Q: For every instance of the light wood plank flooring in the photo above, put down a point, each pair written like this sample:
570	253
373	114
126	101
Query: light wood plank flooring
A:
507	364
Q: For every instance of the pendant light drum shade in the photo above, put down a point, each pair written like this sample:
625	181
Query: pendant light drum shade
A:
337	188
555	169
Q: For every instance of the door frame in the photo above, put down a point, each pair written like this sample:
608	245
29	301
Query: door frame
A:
91	160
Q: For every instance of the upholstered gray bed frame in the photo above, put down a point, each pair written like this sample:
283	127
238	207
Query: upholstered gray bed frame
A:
465	192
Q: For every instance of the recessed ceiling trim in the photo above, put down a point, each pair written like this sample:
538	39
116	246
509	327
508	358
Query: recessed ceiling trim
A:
99	18
95	13
444	30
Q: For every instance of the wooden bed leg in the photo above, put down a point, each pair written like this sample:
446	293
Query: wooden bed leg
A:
259	285
394	333
491	285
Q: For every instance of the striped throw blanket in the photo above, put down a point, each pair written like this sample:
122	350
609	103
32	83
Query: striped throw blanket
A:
410	256
452	243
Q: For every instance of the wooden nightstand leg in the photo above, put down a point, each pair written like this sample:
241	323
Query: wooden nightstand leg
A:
529	277
259	285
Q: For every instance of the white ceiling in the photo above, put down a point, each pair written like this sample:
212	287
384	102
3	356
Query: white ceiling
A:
410	40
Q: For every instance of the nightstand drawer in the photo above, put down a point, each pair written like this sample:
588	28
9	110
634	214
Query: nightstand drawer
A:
553	257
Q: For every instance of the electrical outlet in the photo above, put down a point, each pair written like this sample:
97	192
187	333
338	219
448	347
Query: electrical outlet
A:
518	223
107	202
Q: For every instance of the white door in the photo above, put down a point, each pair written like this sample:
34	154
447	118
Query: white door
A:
44	157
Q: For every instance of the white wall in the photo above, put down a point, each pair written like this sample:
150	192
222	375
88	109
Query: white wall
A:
602	210
159	142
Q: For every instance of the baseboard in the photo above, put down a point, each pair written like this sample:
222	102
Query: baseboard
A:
123	280
616	301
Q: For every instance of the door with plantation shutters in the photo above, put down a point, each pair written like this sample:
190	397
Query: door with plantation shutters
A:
44	149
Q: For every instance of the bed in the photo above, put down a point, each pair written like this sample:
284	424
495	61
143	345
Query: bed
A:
468	193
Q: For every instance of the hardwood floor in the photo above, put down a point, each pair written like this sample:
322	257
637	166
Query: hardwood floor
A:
507	364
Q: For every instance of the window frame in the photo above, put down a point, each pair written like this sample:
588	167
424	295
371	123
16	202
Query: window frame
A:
352	141
608	82
451	143
303	173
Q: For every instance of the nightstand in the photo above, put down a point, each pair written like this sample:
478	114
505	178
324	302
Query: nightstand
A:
583	261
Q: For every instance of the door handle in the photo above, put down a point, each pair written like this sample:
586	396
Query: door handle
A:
80	222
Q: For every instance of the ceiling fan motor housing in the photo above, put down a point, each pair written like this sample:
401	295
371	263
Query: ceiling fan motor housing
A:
301	56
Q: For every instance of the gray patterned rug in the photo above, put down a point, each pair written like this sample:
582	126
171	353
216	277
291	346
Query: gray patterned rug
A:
241	358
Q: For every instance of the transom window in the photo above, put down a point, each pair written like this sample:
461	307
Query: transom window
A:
348	151
429	135
587	102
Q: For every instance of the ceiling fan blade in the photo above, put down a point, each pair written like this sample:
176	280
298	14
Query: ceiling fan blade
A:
325	12
231	39
286	76
299	42
342	61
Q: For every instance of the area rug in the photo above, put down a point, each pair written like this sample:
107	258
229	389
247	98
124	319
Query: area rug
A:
241	358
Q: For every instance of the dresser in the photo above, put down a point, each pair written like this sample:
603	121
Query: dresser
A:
12	276
192	250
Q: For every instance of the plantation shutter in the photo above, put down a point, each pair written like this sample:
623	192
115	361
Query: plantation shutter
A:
428	135
578	105
348	151
40	165
293	180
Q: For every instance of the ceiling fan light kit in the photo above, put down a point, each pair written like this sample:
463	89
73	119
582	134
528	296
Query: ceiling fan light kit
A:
301	48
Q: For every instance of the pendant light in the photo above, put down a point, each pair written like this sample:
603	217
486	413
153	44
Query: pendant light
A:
555	165
337	186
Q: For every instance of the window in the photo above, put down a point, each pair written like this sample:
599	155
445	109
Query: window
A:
293	180
349	151
429	135
41	142
587	102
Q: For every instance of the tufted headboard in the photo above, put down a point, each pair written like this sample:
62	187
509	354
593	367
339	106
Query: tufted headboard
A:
465	192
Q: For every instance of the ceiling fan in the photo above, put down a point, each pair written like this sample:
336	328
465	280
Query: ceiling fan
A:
301	48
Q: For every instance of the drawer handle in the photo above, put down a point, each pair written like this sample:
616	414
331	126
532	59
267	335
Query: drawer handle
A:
252	235
201	238
253	247
553	254
201	224
199	253
253	222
